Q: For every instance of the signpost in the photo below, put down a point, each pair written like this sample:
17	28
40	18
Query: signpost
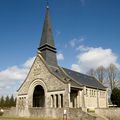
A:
65	115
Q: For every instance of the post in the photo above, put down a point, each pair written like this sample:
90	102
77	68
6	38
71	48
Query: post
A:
65	115
59	100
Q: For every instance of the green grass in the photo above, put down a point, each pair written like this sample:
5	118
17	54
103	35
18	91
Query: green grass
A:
20	118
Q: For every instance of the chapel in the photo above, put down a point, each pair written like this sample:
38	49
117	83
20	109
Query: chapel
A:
50	89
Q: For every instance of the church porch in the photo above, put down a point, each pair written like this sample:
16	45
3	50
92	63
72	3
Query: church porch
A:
76	98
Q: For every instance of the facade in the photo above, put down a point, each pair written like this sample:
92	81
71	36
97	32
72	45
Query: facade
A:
51	87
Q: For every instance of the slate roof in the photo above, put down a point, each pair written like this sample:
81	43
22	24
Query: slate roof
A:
47	46
84	79
47	36
76	79
58	71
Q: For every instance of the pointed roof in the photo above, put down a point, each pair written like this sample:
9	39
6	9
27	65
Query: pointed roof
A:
47	36
47	46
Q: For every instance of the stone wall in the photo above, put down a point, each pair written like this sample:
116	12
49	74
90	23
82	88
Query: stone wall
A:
10	112
110	113
94	98
72	113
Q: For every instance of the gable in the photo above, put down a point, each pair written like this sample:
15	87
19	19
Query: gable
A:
41	71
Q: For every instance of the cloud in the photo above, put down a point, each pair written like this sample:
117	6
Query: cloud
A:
76	41
60	56
75	67
12	76
89	57
29	62
83	48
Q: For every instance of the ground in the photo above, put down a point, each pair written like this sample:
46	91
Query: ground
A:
18	118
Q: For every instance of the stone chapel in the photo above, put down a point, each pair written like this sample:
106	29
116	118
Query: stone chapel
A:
50	90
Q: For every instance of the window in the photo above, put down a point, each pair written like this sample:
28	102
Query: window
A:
56	101
52	101
86	92
94	93
61	96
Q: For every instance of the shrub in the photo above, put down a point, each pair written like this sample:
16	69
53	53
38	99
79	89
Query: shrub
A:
1	113
115	97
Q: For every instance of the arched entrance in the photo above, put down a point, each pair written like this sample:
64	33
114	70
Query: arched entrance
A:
38	97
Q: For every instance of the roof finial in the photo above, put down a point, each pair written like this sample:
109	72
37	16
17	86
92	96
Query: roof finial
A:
47	4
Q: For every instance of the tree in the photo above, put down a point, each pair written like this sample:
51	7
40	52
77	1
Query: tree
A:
2	102
115	97
91	72
100	73
7	102
12	101
112	72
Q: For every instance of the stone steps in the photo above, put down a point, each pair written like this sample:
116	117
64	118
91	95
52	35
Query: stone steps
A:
98	117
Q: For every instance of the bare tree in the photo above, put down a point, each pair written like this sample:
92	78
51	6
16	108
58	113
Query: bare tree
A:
100	73
91	72
112	74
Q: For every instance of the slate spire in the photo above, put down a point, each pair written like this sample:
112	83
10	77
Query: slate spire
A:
47	46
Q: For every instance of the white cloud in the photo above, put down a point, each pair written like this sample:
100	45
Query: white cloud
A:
14	75
75	67
83	48
60	56
90	57
29	62
76	41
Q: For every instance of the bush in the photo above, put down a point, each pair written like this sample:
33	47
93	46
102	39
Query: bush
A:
1	113
115	97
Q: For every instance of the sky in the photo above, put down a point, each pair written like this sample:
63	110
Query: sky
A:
86	34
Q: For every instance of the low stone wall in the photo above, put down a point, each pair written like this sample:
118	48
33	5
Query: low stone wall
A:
110	113
10	112
72	114
46	112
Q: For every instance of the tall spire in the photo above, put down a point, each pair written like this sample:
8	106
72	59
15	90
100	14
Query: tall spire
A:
47	46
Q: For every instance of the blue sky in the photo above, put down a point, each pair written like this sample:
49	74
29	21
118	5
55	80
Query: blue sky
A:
86	33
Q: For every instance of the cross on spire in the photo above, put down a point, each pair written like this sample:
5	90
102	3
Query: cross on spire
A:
47	4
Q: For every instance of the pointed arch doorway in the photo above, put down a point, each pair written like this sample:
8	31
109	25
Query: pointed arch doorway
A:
39	96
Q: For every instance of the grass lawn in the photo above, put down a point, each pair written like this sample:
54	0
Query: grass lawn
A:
20	118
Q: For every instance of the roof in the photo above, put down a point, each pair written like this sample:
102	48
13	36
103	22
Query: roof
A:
76	79
84	79
47	46
58	71
47	36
